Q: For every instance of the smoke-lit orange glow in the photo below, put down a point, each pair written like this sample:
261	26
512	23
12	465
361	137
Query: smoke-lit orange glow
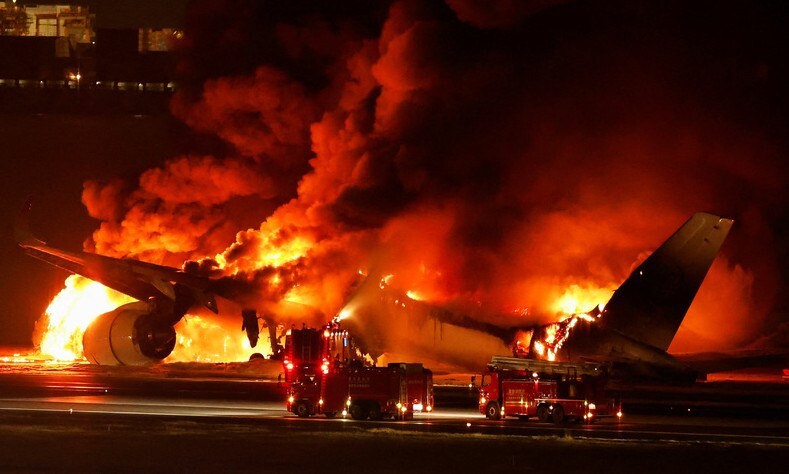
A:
301	295
344	314
270	247
70	313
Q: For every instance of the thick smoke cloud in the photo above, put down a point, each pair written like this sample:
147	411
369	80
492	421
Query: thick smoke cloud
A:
266	116
492	155
498	13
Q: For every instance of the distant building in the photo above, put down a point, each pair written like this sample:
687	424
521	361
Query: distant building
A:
85	46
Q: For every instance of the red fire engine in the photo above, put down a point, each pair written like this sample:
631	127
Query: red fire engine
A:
420	385
366	392
309	354
325	374
554	391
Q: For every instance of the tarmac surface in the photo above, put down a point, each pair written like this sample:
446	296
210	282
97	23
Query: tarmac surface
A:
231	418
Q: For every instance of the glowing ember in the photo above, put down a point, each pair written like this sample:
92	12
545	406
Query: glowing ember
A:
385	281
522	343
299	294
414	295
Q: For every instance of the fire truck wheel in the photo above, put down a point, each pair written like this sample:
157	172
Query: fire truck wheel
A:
330	414
302	410
558	414
375	412
542	413
357	413
493	411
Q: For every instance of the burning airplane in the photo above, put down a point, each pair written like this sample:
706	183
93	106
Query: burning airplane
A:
632	331
488	171
635	327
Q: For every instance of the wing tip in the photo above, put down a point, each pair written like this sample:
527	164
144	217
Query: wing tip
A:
22	234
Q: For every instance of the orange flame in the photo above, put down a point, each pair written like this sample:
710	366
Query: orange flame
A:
575	297
522	343
82	300
203	340
580	299
554	335
414	295
70	313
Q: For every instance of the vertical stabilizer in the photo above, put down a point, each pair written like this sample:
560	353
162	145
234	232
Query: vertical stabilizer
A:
651	303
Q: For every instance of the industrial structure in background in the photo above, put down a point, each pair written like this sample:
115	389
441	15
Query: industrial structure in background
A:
546	390
326	374
49	52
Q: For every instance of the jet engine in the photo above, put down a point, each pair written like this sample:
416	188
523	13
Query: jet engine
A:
132	334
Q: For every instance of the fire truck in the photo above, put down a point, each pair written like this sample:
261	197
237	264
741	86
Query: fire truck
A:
324	373
366	392
549	391
309	354
420	385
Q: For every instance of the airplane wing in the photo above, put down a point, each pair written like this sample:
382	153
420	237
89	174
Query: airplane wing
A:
140	280
174	292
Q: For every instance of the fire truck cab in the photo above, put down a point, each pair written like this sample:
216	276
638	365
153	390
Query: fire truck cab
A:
549	391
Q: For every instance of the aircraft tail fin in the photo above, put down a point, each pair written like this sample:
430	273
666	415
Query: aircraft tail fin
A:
651	304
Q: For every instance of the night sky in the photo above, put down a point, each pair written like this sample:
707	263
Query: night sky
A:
490	153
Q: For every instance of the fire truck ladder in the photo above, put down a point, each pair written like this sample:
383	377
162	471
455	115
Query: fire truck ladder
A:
547	368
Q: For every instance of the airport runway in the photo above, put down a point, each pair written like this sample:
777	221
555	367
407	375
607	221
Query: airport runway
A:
176	416
462	420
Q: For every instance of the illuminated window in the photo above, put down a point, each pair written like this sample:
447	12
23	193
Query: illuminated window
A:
150	39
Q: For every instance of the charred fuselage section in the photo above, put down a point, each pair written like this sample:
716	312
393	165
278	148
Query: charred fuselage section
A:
640	320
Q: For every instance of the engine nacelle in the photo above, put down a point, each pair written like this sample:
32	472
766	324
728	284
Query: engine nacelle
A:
129	335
